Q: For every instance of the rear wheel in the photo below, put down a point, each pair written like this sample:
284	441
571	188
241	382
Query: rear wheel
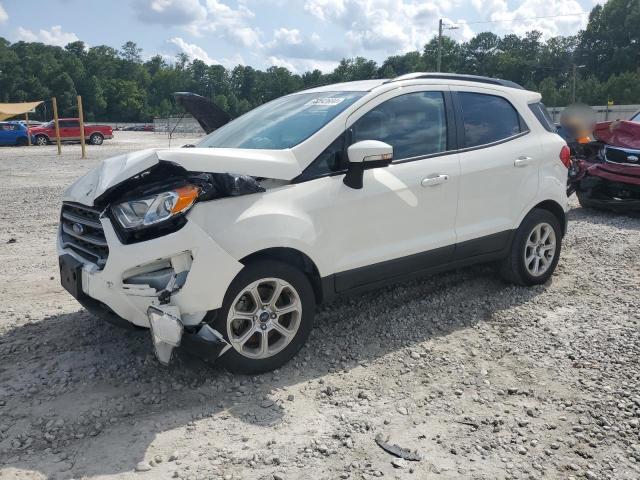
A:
266	317
22	142
535	249
96	139
42	140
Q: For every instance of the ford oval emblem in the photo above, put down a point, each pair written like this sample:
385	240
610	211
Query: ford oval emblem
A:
632	158
78	228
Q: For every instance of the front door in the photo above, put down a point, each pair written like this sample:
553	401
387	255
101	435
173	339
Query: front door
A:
403	219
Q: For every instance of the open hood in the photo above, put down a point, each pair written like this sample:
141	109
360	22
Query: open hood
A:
274	164
208	114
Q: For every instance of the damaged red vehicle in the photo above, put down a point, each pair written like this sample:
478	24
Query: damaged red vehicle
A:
605	172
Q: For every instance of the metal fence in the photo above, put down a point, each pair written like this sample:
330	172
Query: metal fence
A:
603	112
177	126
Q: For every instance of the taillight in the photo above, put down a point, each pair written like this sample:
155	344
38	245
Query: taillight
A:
565	156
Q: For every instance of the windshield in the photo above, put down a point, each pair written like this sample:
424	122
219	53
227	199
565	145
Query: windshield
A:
282	123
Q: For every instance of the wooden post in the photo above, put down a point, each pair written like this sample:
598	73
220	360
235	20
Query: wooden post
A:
81	126
56	123
26	119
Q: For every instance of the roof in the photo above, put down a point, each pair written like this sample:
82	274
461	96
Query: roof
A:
368	85
456	76
357	86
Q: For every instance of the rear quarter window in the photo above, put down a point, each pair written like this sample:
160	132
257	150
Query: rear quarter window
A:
542	114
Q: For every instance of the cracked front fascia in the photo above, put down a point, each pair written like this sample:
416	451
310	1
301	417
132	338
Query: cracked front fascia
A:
211	270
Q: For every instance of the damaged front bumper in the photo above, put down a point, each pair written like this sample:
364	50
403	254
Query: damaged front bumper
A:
167	284
168	333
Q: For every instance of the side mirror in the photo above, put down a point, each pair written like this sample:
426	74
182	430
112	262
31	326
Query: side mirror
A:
363	156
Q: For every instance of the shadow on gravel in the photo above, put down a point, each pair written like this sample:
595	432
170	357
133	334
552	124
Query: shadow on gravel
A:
79	397
623	221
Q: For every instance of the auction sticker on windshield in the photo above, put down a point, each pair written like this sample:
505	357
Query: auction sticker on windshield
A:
324	102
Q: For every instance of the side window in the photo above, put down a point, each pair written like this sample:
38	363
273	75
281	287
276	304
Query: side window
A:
488	118
414	124
542	114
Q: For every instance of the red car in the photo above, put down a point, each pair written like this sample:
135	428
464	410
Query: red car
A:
605	173
70	132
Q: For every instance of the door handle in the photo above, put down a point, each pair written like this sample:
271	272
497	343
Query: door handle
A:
433	181
522	161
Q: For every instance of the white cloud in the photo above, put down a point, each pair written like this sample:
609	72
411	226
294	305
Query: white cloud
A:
192	50
54	36
523	18
390	26
170	12
3	14
297	65
232	24
292	44
284	35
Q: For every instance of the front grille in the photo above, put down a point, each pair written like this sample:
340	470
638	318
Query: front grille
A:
82	232
626	156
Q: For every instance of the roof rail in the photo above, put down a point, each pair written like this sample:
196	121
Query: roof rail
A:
456	76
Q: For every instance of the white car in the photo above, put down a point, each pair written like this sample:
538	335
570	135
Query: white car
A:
225	249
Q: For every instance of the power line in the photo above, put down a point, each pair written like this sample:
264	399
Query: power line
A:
526	18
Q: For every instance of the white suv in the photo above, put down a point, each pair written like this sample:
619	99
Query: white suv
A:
225	249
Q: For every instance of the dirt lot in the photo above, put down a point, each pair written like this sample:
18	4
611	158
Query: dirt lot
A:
484	380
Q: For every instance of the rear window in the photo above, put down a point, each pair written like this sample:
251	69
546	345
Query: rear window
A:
488	119
542	114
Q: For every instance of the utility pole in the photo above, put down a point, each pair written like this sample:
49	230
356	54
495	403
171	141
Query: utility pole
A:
442	27
439	64
575	81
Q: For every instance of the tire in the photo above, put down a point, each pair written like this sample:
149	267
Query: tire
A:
515	268
246	354
22	142
584	199
96	139
42	140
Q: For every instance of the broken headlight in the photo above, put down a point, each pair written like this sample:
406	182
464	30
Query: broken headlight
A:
144	212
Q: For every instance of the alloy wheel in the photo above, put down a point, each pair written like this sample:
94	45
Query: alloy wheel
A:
540	249
264	318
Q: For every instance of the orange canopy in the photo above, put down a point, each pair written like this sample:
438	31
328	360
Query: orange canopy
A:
8	110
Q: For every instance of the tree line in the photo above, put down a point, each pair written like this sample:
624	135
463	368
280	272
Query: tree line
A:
118	85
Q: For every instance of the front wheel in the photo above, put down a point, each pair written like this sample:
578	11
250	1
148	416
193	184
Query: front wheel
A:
96	139
535	249
267	315
42	140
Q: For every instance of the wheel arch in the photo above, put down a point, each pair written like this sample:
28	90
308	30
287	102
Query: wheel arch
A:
556	210
294	258
43	135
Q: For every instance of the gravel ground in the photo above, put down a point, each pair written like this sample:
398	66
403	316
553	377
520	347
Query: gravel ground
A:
483	379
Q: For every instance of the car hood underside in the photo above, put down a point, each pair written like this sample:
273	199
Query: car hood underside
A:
272	164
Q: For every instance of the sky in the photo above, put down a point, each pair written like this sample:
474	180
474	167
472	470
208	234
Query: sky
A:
298	34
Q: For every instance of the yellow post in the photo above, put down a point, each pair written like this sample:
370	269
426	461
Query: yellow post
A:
26	119
56	123
81	126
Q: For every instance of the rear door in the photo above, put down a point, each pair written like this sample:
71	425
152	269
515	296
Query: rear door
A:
499	161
